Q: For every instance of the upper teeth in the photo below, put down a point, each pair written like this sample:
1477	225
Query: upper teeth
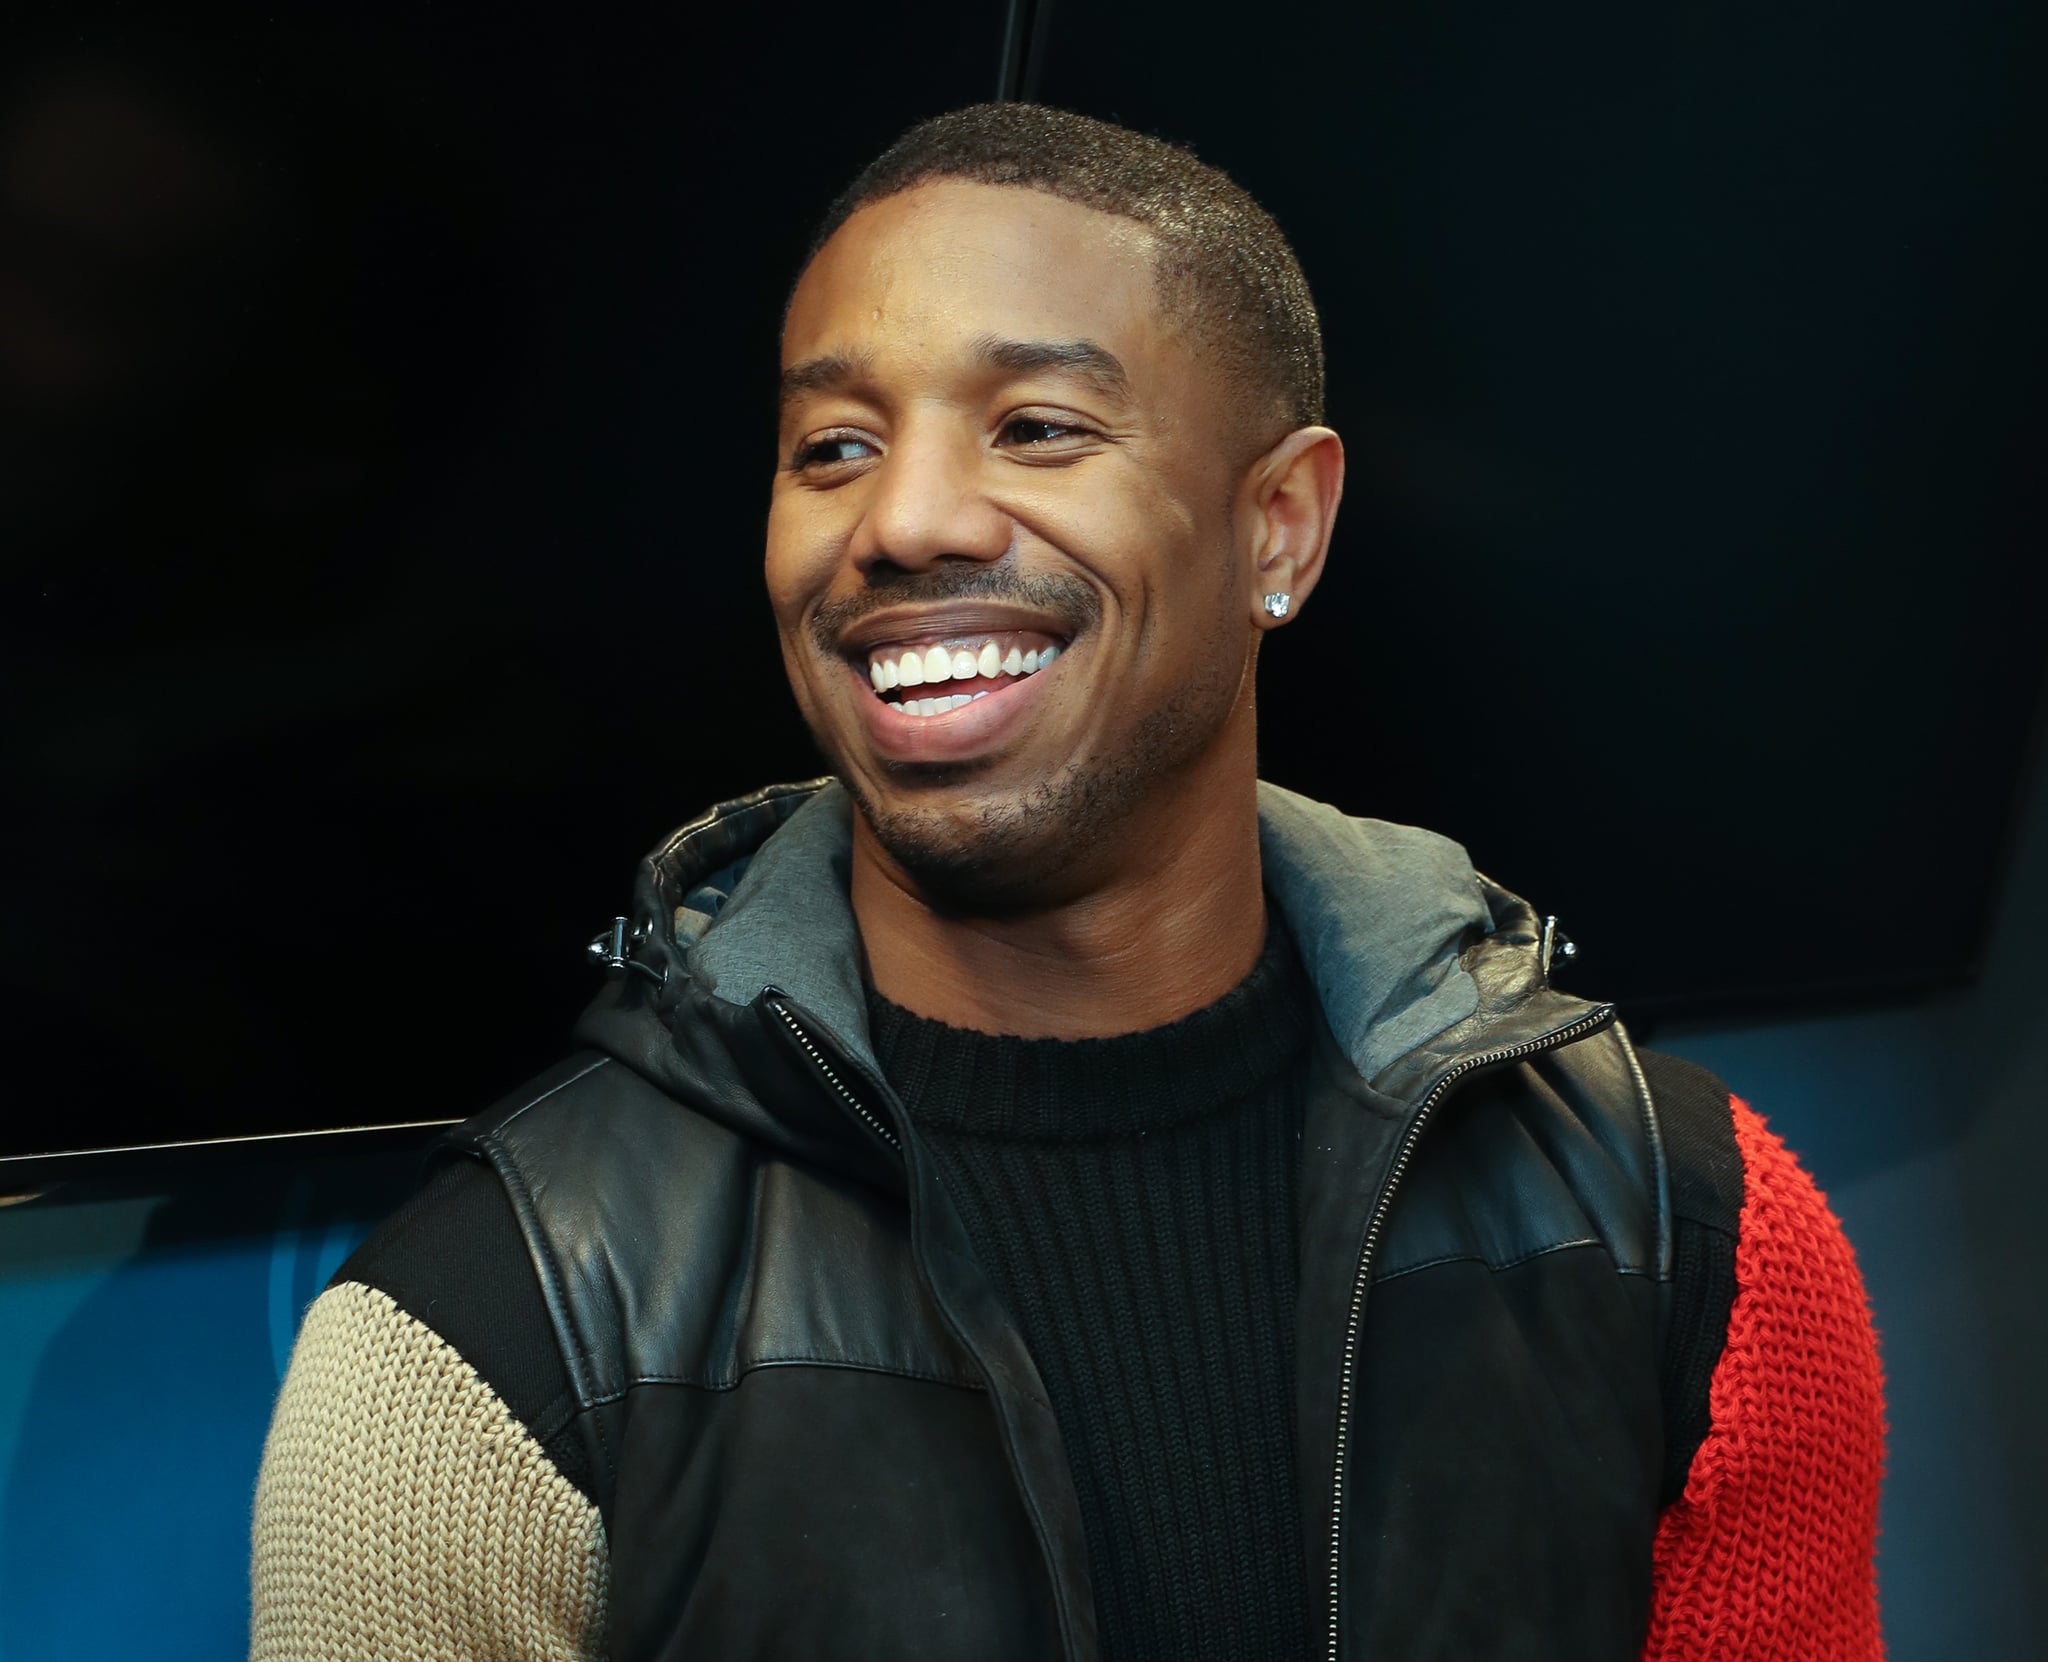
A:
961	663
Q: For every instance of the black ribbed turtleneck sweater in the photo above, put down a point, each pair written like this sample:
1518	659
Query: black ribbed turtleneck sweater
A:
1132	1199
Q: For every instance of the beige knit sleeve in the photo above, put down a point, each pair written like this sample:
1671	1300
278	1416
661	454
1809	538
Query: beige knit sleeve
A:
404	1514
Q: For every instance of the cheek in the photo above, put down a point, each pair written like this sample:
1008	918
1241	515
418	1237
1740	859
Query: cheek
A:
793	671
1136	540
1187	569
1199	632
798	565
802	671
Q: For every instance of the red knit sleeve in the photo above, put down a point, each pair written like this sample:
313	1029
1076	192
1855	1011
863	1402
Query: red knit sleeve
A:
1768	1555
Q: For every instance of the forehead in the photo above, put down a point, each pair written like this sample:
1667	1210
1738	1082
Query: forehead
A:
930	270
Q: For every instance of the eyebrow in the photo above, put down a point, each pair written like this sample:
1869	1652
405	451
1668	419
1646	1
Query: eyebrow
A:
824	374
1086	359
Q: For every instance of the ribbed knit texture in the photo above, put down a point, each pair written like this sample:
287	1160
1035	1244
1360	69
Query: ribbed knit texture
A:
403	1513
1767	1556
1133	1201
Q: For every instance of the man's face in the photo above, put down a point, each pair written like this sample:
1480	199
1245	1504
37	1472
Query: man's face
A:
1000	548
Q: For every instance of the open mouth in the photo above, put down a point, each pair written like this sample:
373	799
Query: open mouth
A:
932	677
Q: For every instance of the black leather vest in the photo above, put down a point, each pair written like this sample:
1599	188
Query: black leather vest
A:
813	1431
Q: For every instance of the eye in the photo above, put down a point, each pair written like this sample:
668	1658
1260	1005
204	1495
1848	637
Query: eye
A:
1044	433
830	450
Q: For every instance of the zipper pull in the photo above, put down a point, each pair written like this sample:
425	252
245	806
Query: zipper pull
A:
1558	947
611	950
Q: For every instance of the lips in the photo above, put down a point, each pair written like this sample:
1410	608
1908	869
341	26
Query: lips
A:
960	717
947	682
954	622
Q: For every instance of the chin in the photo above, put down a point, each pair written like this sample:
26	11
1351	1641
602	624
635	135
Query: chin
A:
973	845
979	851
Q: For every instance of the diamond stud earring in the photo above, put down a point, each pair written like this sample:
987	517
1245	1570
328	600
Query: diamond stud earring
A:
1277	604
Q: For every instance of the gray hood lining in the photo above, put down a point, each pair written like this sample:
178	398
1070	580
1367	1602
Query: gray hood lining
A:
1380	912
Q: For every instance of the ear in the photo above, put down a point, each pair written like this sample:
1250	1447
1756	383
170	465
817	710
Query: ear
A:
1287	508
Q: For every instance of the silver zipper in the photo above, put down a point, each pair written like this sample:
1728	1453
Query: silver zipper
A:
852	1101
1514	1053
833	1079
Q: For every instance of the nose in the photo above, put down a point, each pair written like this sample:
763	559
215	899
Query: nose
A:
928	502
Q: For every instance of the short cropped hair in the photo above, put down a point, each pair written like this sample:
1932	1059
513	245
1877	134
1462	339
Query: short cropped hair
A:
1222	263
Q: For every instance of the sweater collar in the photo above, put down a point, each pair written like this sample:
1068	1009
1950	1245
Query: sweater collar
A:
1073	1090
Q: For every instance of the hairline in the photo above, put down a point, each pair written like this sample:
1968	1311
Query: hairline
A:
1247	430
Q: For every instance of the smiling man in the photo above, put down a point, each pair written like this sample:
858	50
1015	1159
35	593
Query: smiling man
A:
1034	497
1045	1193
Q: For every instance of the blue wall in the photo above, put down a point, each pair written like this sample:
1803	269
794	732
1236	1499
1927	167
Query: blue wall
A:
1928	1128
144	1337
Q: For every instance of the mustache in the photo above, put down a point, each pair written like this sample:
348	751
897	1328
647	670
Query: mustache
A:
1057	594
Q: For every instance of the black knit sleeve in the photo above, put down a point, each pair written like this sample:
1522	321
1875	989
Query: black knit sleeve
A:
1698	1129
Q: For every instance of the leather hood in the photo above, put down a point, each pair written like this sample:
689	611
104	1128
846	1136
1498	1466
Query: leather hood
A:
1418	960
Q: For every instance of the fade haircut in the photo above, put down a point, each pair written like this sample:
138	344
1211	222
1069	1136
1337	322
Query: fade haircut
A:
1222	265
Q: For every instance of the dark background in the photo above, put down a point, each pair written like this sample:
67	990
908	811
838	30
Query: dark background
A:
385	435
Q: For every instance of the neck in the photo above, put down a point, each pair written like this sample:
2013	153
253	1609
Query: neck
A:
1169	927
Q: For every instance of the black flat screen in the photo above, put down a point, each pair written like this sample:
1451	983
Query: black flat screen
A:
387	415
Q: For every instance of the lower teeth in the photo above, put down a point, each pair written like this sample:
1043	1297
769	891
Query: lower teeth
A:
938	706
